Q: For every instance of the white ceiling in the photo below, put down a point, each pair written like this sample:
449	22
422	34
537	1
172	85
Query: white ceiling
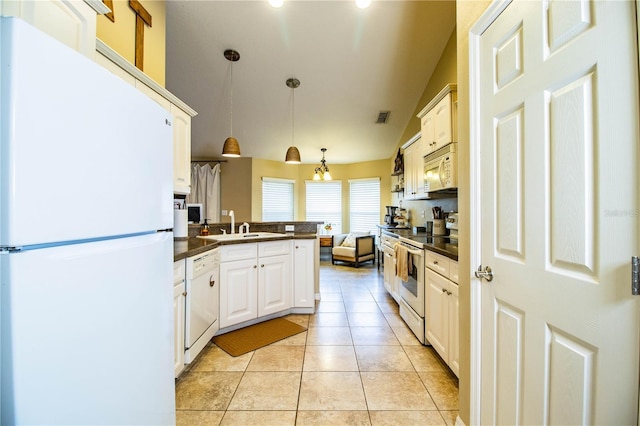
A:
352	63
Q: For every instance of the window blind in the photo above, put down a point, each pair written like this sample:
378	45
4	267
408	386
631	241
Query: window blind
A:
364	204
277	200
324	203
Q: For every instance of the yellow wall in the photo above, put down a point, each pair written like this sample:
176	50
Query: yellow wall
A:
121	34
444	73
467	13
235	188
302	172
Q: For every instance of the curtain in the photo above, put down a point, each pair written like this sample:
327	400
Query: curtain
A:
205	190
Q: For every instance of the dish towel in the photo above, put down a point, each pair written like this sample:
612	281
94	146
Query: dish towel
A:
403	261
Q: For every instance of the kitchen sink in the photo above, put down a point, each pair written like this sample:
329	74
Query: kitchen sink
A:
241	237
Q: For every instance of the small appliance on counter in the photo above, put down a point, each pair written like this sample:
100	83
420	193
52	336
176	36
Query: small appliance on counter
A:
402	218
389	218
452	225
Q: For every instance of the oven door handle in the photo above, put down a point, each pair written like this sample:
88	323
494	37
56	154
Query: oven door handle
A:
416	252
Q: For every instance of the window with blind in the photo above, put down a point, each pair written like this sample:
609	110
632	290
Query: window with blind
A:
324	203
364	204
277	200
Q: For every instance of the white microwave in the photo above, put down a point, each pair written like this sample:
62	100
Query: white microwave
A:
441	169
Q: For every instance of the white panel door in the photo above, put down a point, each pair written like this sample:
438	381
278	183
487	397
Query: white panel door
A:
238	292
557	108
274	284
303	273
437	313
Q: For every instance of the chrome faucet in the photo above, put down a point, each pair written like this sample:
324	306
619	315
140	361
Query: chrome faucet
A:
233	222
244	228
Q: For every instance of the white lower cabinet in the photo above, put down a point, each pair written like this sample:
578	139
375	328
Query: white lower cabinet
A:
178	316
441	313
255	280
304	273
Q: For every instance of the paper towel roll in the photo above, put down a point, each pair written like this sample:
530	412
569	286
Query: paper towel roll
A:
180	227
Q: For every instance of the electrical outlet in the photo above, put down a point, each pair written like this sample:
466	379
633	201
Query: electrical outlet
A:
289	228
422	214
224	212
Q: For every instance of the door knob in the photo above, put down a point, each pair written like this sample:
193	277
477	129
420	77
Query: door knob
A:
487	274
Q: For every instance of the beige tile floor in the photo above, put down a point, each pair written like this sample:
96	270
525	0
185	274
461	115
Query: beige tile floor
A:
357	364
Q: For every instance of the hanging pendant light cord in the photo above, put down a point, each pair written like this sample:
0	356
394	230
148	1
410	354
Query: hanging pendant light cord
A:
293	110
231	101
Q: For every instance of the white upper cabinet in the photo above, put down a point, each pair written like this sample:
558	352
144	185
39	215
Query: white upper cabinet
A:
181	150
73	22
414	152
438	120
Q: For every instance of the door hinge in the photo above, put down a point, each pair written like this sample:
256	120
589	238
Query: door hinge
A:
635	275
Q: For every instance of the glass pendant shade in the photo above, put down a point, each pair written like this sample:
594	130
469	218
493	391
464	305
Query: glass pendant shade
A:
293	156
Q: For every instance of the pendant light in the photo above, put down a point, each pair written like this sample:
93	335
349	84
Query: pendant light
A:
231	147
322	172
293	155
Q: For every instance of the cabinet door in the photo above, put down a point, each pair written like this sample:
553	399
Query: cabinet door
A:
178	328
437	313
274	284
73	22
442	122
409	175
181	151
303	274
427	132
389	272
238	292
454	325
418	168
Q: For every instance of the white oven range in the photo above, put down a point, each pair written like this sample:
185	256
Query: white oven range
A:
412	291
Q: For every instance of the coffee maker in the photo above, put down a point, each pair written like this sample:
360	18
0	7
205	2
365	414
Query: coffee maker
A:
389	218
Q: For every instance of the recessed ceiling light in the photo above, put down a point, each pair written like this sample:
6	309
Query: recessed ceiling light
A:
276	3
363	4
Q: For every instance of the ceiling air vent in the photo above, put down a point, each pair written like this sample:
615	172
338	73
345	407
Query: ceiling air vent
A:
383	116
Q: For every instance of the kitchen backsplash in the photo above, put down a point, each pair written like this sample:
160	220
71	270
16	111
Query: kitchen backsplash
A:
417	207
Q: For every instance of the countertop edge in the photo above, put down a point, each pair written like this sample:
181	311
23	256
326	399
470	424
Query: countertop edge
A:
405	233
194	246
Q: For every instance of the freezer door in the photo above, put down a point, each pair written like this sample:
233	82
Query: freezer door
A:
87	333
84	154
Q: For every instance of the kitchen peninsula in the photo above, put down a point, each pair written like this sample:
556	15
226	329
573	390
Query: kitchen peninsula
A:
241	279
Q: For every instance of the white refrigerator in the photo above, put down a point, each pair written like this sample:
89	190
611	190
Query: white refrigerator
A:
86	257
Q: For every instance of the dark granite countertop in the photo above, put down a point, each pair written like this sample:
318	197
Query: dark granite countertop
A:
443	245
183	248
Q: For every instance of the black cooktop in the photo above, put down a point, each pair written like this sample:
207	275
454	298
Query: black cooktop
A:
444	245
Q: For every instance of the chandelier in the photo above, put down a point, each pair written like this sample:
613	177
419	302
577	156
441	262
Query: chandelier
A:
322	172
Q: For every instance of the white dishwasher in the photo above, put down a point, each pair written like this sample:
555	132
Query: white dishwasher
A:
202	302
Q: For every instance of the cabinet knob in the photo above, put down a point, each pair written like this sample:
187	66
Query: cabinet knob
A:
184	293
212	281
255	266
444	290
262	266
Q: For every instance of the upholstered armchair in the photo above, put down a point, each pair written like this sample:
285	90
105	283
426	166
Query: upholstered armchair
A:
353	248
